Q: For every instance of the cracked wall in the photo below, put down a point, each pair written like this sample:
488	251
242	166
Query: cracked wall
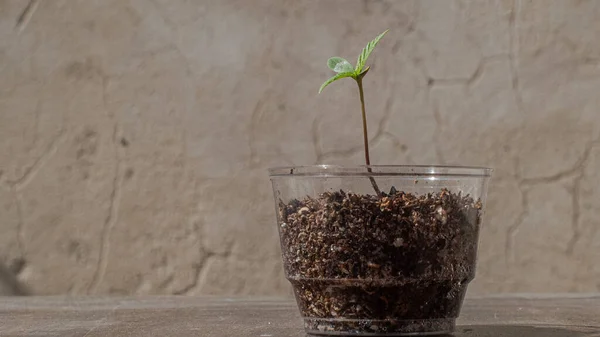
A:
135	135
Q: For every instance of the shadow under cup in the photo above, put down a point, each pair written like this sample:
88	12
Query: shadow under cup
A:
379	250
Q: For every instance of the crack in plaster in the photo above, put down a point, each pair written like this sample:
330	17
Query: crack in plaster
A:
513	37
204	254
469	81
36	121
166	283
403	148
26	14
199	269
577	198
111	218
173	30
381	129
22	181
575	216
17	185
512	231
202	269
577	171
203	274
20	222
572	171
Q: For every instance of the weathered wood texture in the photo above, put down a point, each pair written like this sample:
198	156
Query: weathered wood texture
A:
228	317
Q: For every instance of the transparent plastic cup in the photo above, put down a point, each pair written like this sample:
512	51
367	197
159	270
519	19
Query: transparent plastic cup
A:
379	250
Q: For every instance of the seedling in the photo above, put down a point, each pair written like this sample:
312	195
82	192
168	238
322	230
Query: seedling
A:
344	69
395	264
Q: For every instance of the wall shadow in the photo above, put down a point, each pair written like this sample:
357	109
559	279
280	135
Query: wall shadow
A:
9	285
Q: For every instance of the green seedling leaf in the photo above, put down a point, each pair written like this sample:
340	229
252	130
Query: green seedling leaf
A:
335	78
344	69
364	55
339	65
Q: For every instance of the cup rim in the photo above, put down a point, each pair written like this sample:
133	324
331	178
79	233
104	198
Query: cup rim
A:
381	170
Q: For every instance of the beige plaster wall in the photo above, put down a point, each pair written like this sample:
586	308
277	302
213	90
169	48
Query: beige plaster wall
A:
135	134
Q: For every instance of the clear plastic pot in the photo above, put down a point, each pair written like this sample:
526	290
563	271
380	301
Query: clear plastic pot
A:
379	250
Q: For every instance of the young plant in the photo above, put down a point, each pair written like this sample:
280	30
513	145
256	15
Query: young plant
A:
344	69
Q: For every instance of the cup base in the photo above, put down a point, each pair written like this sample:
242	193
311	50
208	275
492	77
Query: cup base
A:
368	327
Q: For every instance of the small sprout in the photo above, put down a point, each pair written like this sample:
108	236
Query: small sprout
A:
344	69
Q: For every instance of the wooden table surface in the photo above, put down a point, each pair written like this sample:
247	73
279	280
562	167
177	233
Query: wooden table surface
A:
531	316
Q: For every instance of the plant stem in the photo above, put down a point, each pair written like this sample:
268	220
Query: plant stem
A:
364	119
366	134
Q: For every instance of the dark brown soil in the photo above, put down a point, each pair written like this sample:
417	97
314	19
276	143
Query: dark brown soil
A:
380	264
